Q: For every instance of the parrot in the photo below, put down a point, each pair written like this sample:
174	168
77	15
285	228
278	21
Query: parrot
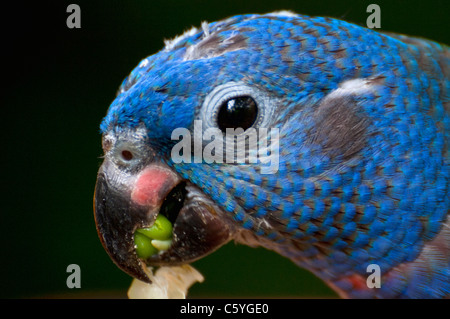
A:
354	124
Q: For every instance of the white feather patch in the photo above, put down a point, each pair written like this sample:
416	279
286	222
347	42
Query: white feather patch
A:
283	13
170	44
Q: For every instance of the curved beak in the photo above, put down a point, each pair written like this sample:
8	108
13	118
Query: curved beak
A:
126	201
117	218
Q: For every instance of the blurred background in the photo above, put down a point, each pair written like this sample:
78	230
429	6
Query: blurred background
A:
57	86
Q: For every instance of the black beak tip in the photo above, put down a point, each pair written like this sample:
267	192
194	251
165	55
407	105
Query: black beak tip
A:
115	227
122	252
134	267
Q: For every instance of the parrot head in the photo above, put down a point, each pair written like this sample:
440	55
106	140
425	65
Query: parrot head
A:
197	77
231	74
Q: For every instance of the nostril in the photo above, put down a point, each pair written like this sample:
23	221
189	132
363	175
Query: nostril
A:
173	202
126	155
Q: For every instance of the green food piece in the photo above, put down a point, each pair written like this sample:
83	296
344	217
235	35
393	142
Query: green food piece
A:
144	247
149	241
161	229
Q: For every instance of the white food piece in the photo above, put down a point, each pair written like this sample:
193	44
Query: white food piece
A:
167	283
161	245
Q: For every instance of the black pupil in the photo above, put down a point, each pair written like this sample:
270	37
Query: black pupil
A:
237	112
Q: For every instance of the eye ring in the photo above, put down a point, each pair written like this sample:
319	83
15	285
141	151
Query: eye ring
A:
232	90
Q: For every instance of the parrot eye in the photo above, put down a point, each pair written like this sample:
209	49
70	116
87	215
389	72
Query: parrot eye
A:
236	105
237	112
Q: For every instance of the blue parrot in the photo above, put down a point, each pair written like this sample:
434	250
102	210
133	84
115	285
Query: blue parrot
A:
344	164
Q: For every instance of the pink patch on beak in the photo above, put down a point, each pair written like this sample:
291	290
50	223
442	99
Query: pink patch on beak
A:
152	185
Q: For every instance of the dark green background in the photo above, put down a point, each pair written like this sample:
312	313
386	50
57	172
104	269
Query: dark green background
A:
57	85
